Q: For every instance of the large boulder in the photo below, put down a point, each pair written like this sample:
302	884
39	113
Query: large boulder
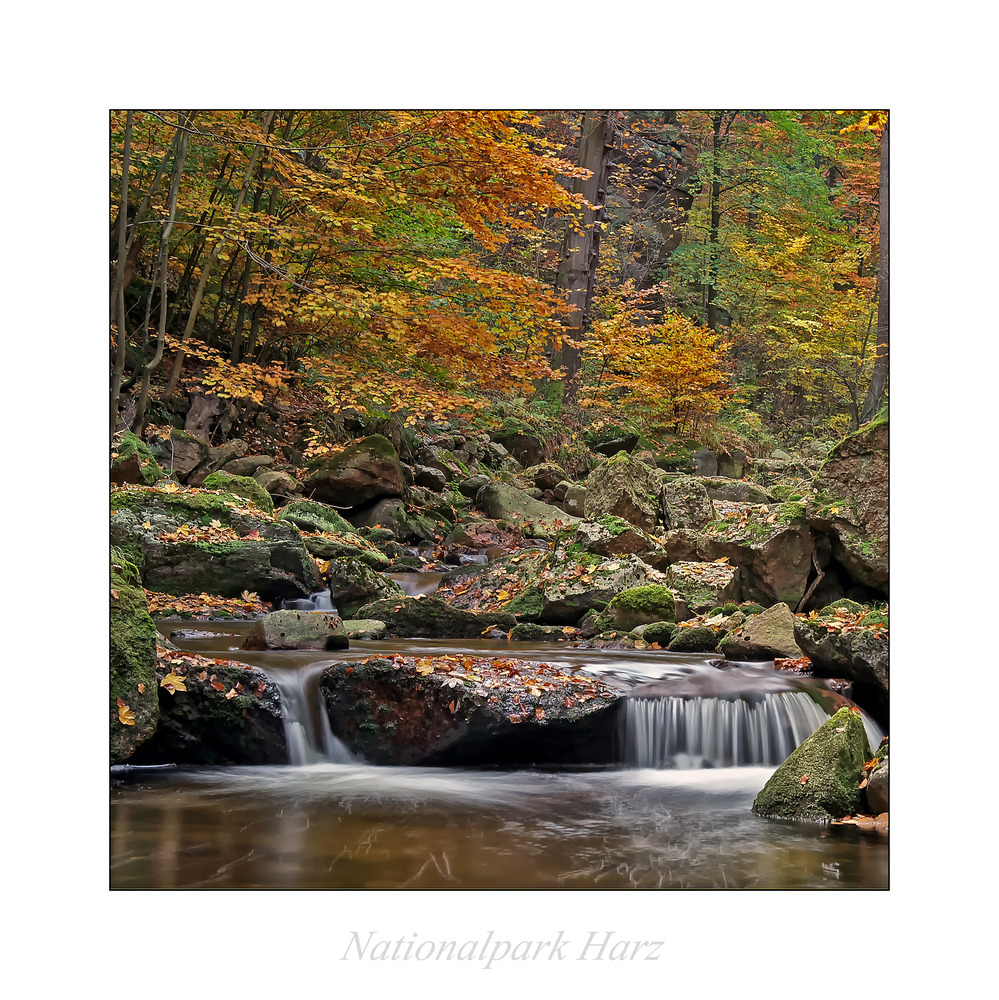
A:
353	584
297	630
241	486
505	502
458	711
192	541
854	652
430	617
685	503
625	488
821	779
178	452
309	515
719	488
612	536
701	586
850	503
214	712
134	703
642	606
362	472
407	525
765	636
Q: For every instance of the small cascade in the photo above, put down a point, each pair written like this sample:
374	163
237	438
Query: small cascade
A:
719	732
306	725
417	584
320	601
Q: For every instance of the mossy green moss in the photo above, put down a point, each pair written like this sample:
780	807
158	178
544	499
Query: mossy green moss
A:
651	599
244	486
698	639
659	632
135	462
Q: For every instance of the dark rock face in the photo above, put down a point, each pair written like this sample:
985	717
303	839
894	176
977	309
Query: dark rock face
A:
851	504
430	617
821	779
366	471
860	655
877	788
297	630
201	725
268	558
437	712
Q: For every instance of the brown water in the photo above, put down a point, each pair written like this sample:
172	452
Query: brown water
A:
351	825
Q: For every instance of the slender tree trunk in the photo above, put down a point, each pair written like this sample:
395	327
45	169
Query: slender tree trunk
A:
715	207
206	270
581	248
879	378
118	298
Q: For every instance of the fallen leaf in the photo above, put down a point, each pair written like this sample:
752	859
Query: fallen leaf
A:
173	683
142	688
125	715
804	779
231	693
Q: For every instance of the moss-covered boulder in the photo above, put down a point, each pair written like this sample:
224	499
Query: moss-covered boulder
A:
297	630
353	584
685	503
329	547
850	504
612	536
660	633
134	703
765	636
624	488
364	628
406	524
133	462
694	639
720	488
456	712
310	515
243	486
189	541
530	632
214	712
362	472
430	617
642	606
820	780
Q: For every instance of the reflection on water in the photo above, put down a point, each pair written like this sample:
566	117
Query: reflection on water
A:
353	826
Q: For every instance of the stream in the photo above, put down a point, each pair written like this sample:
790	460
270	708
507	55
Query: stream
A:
674	813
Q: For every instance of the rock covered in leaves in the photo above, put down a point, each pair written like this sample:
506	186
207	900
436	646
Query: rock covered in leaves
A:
463	710
362	472
701	586
821	779
214	712
430	617
187	541
134	703
624	488
765	636
297	630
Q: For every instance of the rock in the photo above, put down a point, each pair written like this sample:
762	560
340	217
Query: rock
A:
429	478
546	476
308	515
641	606
820	779
277	484
703	585
495	455
740	492
470	487
133	662
393	514
297	630
178	452
244	486
858	654
850	503
626	444
574	502
216	459
504	502
705	462
764	636
529	632
273	562
695	639
353	584
430	617
248	466
521	443
611	536
349	546
660	633
877	788
206	415
134	462
438	711
732	464
362	472
204	724
686	504
626	489
364	628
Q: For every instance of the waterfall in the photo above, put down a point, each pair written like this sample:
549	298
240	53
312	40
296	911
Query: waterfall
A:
720	732
415	584
306	725
320	601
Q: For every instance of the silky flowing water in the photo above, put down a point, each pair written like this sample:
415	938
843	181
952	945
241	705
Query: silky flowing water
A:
675	813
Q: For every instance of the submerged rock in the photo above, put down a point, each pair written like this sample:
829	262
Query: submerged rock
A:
820	780
297	630
455	711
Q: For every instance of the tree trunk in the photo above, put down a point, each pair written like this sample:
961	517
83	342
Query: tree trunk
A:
715	207
581	248
118	293
879	378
